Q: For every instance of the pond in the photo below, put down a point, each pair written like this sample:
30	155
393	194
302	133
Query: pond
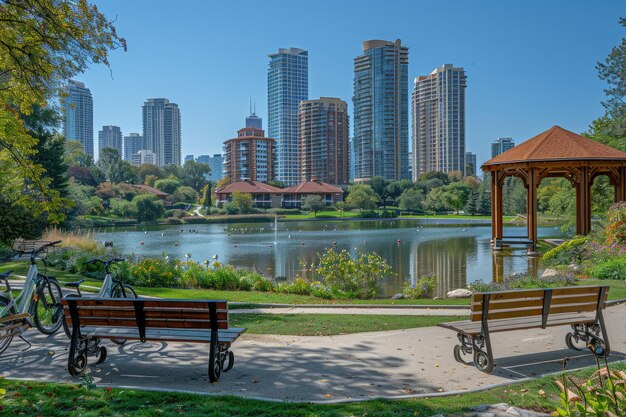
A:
457	254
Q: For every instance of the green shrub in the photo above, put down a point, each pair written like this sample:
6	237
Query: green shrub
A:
388	214
424	288
613	268
351	277
571	251
155	272
283	211
260	283
523	281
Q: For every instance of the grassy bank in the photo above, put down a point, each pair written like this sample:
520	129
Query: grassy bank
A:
330	324
49	399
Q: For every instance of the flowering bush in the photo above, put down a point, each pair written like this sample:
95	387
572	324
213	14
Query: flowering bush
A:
424	288
350	277
616	224
570	251
613	268
155	272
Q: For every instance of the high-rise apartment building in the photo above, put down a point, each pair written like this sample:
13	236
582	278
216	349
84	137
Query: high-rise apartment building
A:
287	86
133	143
189	158
216	162
161	130
250	156
470	164
78	115
439	121
381	113
324	141
110	137
501	145
144	156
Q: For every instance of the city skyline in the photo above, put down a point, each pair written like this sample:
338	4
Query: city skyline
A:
215	97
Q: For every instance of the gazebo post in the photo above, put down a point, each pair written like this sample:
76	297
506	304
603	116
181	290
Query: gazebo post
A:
583	203
531	208
620	186
497	230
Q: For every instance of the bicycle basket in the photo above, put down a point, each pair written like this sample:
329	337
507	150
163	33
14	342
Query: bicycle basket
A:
28	246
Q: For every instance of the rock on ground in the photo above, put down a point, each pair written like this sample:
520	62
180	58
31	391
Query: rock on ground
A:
459	293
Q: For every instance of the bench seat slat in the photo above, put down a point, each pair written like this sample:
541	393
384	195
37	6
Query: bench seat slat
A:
472	328
162	334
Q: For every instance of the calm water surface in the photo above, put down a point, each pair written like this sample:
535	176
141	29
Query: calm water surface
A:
457	254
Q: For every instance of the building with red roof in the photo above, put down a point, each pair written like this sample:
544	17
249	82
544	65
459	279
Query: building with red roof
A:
293	196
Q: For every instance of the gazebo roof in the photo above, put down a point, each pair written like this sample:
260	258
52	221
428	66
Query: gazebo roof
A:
557	144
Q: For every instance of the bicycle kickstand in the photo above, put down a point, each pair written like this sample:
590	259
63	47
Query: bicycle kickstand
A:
27	342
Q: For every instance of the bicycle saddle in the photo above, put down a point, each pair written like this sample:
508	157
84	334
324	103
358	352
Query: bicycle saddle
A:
74	284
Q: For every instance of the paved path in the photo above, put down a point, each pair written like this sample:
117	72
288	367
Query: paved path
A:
356	366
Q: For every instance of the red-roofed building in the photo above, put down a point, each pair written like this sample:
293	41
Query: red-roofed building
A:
263	195
145	189
293	196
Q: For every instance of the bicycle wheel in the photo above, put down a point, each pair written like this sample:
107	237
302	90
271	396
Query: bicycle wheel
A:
117	292
5	340
48	315
128	290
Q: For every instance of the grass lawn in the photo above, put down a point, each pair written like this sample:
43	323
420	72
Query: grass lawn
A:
21	268
617	289
330	324
48	399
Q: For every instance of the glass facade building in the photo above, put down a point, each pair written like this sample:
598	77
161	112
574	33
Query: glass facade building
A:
110	137
381	111
501	145
133	143
162	130
216	162
287	86
78	115
438	105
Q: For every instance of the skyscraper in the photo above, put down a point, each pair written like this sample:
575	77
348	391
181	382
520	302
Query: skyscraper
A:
324	140
216	162
439	121
501	145
253	120
78	115
110	137
381	113
470	164
133	143
161	130
287	86
250	156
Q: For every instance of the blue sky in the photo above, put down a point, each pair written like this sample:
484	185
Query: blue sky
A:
530	64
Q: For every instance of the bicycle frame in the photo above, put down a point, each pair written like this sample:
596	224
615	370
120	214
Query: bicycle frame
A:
107	286
26	296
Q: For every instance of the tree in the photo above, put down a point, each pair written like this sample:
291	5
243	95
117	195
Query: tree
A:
108	157
184	194
75	155
242	201
193	174
44	43
411	200
455	195
167	185
206	195
396	188
362	197
123	208
149	170
313	203
123	172
434	200
514	192
379	185
149	208
150	180
277	184
613	71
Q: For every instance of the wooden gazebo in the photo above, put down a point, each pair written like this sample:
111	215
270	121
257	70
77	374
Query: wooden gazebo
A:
554	153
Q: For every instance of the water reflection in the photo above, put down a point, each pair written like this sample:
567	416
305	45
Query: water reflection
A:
456	254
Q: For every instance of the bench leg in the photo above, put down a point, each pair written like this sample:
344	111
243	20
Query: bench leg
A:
215	361
478	346
77	358
483	358
594	337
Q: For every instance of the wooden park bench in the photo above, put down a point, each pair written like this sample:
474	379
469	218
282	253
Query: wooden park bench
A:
172	320
579	307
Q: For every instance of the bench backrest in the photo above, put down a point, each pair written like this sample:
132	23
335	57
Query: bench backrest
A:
537	302
147	313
